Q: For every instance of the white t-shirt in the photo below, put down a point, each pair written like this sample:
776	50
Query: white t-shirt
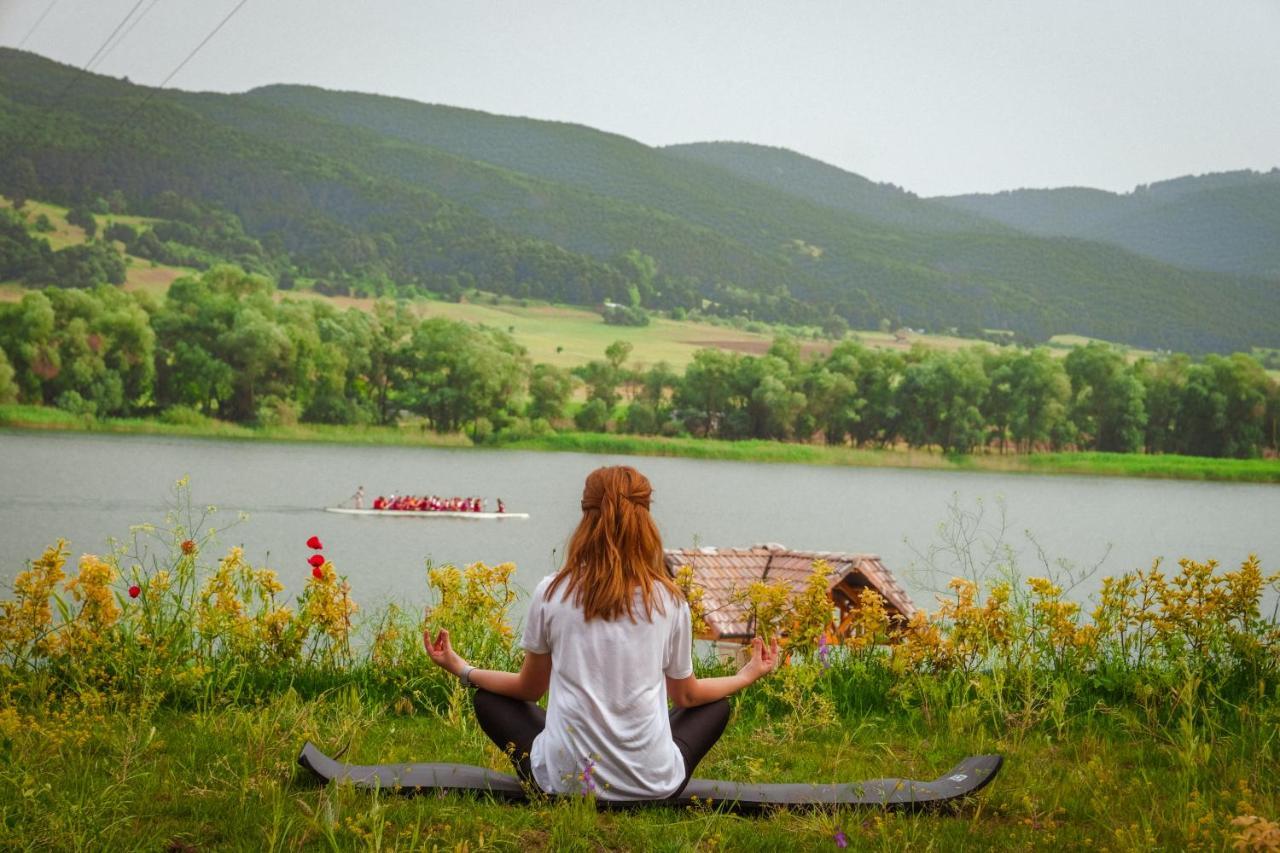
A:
607	705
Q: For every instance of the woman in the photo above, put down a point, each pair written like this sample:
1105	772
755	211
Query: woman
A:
610	635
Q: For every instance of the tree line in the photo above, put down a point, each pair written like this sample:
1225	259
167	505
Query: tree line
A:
222	345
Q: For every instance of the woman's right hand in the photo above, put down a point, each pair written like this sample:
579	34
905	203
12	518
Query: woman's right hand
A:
764	660
442	653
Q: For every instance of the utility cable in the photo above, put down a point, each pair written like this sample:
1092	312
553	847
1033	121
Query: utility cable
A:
31	128
39	21
85	69
124	35
152	92
103	46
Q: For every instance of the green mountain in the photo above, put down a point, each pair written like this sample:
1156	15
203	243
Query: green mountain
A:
384	192
1225	222
840	231
832	187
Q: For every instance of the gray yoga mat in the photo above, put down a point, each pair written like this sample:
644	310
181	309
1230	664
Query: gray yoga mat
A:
968	777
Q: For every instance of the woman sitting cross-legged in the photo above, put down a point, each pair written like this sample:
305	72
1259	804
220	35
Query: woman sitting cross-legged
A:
610	635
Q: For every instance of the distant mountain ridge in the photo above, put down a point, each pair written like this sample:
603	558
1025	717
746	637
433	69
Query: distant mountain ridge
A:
831	186
1223	222
354	186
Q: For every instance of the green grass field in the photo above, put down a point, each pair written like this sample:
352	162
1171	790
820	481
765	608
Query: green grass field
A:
225	778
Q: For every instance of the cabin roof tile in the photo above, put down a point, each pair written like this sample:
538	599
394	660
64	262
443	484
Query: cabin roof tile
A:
726	573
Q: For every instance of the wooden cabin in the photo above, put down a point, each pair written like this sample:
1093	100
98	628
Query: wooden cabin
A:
726	573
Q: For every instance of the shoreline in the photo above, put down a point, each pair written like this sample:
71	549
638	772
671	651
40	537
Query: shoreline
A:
23	418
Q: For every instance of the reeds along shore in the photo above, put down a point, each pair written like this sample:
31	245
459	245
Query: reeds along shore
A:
166	685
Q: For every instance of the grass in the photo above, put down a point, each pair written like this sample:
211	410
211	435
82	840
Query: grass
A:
567	337
225	778
19	416
140	273
1106	464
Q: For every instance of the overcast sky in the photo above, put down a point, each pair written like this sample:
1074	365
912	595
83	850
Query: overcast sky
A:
940	97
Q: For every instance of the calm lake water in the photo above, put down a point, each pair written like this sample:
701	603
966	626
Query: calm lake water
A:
92	488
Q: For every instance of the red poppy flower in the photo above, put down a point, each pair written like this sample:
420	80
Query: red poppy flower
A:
314	543
317	573
135	591
188	546
316	560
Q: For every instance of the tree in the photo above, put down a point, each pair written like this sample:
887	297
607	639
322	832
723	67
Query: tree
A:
120	231
616	353
592	417
549	391
834	326
703	394
641	419
82	217
767	404
457	375
642	271
940	399
198	328
27	335
1223	407
620	315
656	382
1001	397
878	375
1041	395
1163	384
8	390
23	182
1107	398
601	379
388	336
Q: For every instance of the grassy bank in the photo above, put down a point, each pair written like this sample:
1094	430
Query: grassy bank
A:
18	416
224	778
15	416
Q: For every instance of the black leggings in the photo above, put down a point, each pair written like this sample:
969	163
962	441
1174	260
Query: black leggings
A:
512	725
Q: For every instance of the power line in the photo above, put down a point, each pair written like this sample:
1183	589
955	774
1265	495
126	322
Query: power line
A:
103	46
85	69
31	127
206	40
151	93
39	21
124	35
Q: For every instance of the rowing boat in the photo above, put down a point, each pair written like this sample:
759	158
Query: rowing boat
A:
428	513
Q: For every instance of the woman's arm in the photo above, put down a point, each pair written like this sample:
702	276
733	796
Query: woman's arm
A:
693	691
529	684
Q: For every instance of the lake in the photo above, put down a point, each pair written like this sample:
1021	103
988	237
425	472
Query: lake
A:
89	488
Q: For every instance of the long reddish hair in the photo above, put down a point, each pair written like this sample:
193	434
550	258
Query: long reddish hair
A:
616	548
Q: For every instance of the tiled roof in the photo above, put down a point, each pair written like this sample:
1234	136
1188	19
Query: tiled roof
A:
725	572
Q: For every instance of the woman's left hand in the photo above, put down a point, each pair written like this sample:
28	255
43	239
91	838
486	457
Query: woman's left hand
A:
764	659
442	653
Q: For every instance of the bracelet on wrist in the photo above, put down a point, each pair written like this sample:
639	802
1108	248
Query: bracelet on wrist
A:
465	676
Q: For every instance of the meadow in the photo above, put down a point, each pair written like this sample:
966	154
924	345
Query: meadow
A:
155	696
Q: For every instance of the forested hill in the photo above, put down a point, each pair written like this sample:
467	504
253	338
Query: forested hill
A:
370	193
832	187
1225	222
